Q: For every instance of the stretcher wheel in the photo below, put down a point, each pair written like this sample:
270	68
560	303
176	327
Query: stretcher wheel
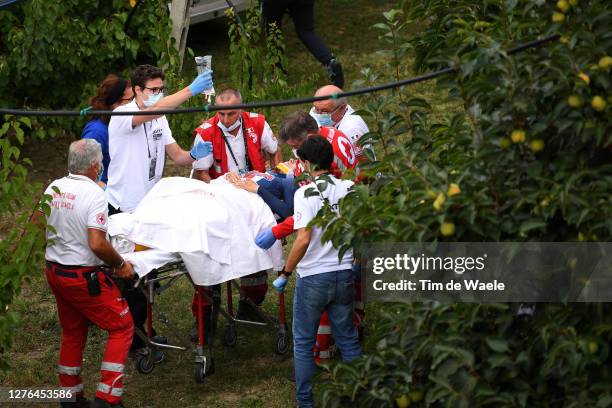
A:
230	337
204	369
145	364
200	372
283	343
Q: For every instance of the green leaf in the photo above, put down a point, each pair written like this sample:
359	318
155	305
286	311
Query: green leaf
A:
497	344
531	225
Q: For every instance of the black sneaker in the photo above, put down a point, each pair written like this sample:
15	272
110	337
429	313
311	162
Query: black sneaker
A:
334	72
158	355
160	339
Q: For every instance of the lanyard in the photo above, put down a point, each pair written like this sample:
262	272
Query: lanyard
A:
246	151
144	126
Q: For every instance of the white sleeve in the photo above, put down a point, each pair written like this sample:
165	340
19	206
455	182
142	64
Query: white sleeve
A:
303	211
97	214
121	126
268	140
166	132
204	163
355	128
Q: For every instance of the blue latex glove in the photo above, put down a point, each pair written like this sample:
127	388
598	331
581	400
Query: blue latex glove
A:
280	283
201	83
356	271
265	239
201	149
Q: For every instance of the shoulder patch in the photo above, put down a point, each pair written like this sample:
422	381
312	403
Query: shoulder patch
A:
101	219
253	115
205	125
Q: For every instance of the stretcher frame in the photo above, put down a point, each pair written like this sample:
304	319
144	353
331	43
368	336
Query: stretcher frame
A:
160	279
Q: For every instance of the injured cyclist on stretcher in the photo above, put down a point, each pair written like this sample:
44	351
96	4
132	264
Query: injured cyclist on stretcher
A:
209	226
276	191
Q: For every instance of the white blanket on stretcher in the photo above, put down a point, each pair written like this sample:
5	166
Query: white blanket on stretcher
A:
212	227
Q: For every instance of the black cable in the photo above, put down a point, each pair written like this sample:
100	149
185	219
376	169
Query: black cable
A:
266	104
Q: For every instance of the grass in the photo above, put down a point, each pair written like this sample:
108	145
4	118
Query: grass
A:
249	375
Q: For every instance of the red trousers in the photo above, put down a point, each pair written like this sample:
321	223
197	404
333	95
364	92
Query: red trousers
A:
107	310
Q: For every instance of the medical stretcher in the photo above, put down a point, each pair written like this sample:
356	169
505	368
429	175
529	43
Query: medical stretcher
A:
160	279
205	232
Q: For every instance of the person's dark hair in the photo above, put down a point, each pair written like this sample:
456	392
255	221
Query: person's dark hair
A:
297	126
110	90
143	73
318	151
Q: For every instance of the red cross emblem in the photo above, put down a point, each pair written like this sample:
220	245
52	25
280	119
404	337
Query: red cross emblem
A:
101	219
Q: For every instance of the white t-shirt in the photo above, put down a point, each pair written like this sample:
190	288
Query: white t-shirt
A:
137	157
352	126
268	144
320	258
79	205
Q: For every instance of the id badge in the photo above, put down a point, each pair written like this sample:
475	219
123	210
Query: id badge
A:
152	166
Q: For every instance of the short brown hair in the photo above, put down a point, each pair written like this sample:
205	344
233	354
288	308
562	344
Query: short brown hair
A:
145	72
297	126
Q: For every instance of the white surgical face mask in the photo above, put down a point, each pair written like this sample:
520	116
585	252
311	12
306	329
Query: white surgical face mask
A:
153	99
323	119
230	128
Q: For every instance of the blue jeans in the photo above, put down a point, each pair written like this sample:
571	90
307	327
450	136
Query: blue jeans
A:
278	194
331	291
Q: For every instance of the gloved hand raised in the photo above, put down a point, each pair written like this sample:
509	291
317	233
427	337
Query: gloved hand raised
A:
201	149
265	239
280	283
201	83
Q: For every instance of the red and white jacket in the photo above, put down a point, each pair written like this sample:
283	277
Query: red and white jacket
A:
253	125
345	158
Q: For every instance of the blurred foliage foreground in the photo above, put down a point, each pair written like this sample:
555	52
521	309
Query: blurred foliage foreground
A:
526	159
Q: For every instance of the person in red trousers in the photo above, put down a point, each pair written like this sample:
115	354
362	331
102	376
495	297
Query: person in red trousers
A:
77	248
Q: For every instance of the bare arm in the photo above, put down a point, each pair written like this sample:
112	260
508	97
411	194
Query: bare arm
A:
203	175
300	245
178	155
100	246
168	102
